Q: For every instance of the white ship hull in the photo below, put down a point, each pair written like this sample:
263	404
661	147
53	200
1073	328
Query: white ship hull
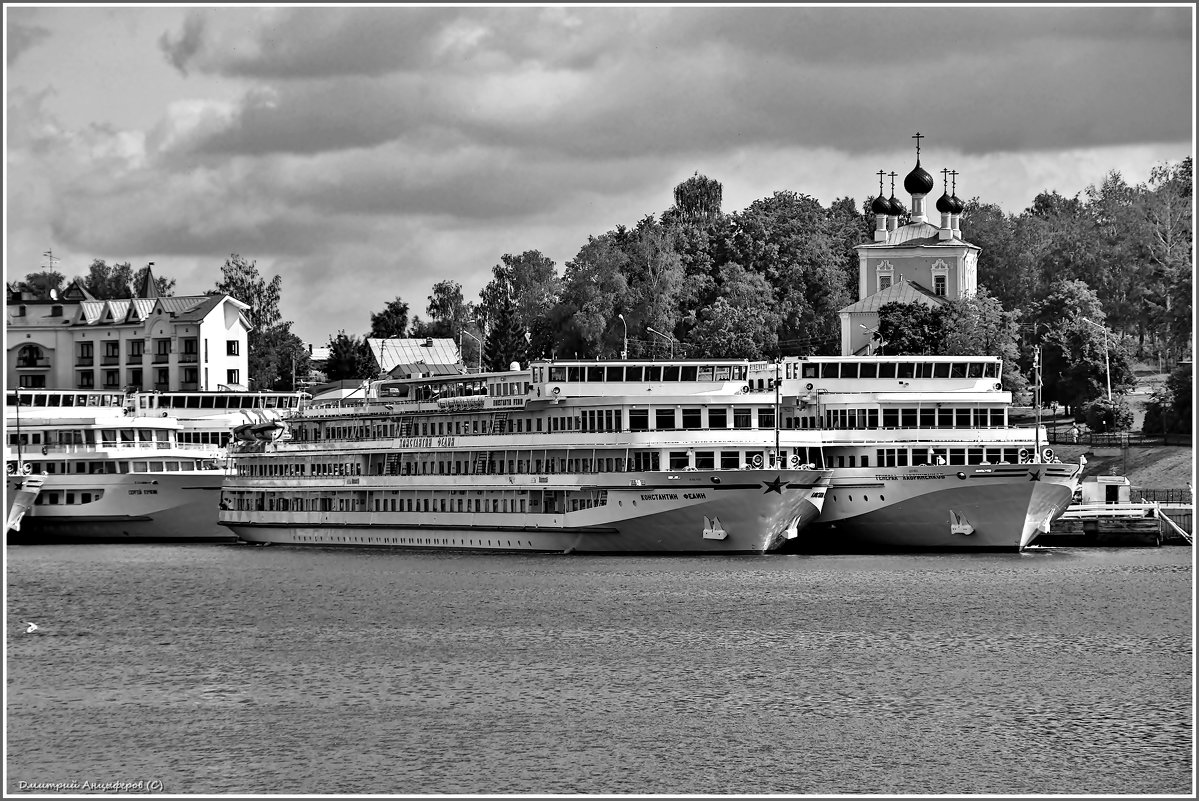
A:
689	512
22	491
940	507
146	507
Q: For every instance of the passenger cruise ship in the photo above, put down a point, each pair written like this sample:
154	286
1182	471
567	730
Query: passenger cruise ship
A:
107	474
923	453
566	456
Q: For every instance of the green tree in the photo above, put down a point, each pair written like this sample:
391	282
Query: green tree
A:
530	281
105	282
978	325
912	329
735	325
1170	409
698	198
349	357
1074	371
447	310
40	284
241	280
1105	417
505	342
283	360
391	322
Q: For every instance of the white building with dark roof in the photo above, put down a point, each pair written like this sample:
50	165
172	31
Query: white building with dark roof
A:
177	343
916	262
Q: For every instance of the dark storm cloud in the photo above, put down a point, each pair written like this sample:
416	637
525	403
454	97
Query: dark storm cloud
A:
660	80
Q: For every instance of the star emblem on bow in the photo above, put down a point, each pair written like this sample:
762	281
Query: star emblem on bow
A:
1034	475
774	486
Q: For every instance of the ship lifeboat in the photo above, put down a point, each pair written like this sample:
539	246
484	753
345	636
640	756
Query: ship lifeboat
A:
267	432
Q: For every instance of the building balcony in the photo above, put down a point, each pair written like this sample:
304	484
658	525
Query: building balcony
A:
189	386
110	361
189	358
162	358
163	387
33	364
84	361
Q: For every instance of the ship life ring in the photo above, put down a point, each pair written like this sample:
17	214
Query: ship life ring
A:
809	386
1024	454
756	461
795	461
45	450
745	389
26	469
1047	454
557	390
164	414
998	386
11	467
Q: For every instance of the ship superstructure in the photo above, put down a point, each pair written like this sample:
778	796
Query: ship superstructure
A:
923	453
582	456
107	474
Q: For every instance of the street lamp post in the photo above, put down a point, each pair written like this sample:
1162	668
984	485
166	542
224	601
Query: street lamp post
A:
669	339
476	339
1107	366
874	331
624	354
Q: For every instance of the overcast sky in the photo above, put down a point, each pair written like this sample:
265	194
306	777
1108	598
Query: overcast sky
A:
365	153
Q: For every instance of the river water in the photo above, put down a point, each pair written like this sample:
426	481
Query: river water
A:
225	669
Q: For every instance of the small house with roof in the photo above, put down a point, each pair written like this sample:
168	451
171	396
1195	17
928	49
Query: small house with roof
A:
913	261
147	342
400	357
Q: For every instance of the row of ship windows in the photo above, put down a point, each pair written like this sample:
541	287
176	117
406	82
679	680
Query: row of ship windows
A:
53	498
376	540
107	436
636	462
542	503
668	419
113	466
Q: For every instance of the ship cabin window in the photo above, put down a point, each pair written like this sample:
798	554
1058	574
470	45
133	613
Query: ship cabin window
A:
705	460
638	419
653	372
766	417
663	419
633	373
595	373
868	370
718	418
742	417
811	371
905	370
678	460
692	419
670	373
886	369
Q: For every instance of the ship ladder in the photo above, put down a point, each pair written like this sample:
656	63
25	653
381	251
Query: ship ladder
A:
392	464
1157	510
497	422
406	428
481	461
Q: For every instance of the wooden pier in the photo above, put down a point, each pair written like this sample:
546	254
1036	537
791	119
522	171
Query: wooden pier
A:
1125	524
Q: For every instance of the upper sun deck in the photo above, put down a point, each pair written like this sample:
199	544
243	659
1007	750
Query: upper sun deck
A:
890	374
561	380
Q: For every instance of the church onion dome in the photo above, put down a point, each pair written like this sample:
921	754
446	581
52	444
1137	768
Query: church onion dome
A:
881	205
945	203
918	182
958	205
897	208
